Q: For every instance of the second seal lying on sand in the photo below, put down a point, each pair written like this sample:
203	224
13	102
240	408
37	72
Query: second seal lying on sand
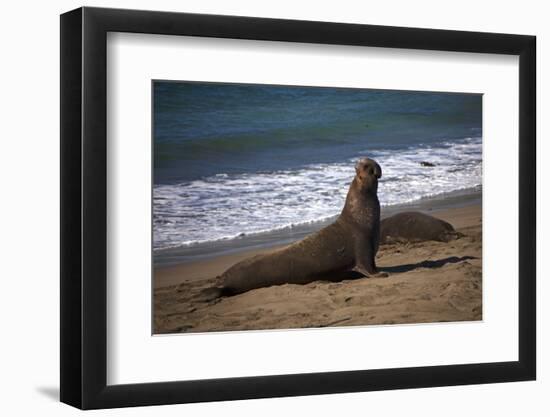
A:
413	226
351	242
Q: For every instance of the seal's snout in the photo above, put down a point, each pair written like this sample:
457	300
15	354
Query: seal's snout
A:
377	170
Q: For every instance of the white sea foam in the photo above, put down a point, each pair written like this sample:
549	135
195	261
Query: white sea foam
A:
227	206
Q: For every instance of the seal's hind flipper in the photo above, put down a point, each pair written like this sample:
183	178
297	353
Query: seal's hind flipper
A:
213	293
210	294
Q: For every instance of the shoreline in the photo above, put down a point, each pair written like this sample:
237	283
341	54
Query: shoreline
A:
171	257
461	210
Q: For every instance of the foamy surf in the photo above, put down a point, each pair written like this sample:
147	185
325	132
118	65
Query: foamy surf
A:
228	206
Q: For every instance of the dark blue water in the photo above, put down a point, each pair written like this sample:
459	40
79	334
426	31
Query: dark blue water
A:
233	160
203	129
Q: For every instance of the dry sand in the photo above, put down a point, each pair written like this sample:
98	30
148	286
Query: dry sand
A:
428	282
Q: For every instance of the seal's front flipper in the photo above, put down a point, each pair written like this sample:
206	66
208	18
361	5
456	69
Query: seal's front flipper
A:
373	274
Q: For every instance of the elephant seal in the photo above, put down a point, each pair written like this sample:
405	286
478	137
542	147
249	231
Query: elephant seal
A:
351	242
413	226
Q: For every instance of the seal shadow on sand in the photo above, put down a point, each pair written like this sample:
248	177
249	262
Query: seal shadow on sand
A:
349	275
426	264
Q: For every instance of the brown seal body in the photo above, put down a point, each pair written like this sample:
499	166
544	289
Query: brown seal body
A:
351	242
414	226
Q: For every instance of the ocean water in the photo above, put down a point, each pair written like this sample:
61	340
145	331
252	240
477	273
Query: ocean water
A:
233	160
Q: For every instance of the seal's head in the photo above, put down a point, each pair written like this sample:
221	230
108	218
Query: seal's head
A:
367	174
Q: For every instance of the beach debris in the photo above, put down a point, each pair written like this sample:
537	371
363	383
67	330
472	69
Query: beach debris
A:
332	323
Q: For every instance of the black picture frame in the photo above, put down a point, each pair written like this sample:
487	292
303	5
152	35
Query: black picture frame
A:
84	207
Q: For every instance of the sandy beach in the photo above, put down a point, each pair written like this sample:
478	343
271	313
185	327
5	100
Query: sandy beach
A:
428	282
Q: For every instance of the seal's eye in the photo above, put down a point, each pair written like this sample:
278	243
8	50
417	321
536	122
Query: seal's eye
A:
371	171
